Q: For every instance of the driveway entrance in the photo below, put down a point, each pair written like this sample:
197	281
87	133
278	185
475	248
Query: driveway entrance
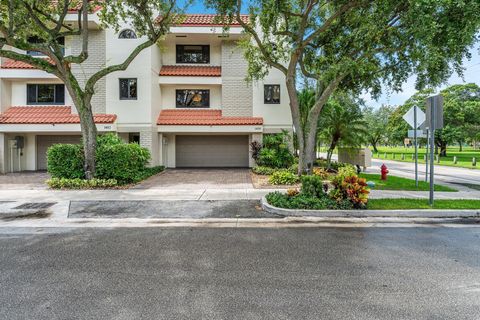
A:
233	178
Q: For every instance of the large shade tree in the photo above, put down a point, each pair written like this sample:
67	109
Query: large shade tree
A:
377	122
461	113
46	22
352	45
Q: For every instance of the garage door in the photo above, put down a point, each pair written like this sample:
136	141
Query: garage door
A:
44	142
211	151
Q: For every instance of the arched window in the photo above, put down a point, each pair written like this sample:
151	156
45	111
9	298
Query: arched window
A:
127	34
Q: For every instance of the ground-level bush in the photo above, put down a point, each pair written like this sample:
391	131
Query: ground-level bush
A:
123	162
65	161
283	177
303	201
349	192
275	151
63	183
265	171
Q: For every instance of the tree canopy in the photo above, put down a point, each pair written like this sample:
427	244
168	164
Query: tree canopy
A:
353	45
42	26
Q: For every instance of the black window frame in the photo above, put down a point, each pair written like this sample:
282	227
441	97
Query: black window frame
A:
124	32
265	101
180	54
56	94
128	88
206	93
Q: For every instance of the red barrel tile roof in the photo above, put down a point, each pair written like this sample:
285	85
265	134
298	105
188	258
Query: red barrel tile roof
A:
206	20
47	115
13	64
203	118
191	71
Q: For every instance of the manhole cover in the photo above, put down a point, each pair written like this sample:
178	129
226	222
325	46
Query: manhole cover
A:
35	205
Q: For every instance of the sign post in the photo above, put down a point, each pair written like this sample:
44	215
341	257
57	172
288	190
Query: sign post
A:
426	157
434	121
415	117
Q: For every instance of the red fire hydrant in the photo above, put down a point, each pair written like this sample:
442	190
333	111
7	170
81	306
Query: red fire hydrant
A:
384	171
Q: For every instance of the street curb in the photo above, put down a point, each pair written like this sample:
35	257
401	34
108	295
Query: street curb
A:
415	213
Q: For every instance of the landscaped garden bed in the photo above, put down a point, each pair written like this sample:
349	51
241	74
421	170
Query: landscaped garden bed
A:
119	165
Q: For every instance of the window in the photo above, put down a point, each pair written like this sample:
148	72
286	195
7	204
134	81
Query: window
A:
134	137
37	40
188	98
193	54
45	94
271	94
127	34
128	89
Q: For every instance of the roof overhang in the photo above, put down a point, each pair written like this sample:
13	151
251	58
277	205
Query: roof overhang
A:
66	127
210	129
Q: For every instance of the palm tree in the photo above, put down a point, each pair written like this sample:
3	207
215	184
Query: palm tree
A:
342	124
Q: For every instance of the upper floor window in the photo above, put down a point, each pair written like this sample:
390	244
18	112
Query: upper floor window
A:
45	94
36	40
271	94
127	34
188	98
193	53
128	89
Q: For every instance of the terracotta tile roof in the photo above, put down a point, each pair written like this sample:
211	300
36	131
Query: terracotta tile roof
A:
191	71
205	20
203	118
13	64
76	6
47	115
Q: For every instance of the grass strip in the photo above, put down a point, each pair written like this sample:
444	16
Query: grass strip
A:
398	204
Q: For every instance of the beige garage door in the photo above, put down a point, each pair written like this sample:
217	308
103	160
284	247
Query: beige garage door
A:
211	151
44	142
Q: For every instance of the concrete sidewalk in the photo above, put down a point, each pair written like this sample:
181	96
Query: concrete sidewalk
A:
195	194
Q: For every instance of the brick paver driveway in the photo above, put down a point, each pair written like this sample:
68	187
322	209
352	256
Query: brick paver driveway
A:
199	178
23	181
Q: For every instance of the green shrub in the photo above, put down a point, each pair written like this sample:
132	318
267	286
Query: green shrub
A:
266	171
126	163
283	177
65	161
322	163
312	186
303	201
122	162
62	183
275	152
343	172
293	168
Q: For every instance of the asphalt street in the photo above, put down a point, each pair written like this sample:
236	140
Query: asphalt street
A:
201	273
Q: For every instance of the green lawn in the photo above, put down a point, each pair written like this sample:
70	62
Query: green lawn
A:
392	204
397	183
464	158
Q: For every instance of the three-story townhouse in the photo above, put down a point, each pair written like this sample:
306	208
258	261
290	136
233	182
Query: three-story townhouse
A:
185	99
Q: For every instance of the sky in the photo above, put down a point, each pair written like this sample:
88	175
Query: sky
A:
471	74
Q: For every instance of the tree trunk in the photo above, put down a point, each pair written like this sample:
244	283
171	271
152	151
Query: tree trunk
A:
374	145
460	145
443	150
89	134
83	105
